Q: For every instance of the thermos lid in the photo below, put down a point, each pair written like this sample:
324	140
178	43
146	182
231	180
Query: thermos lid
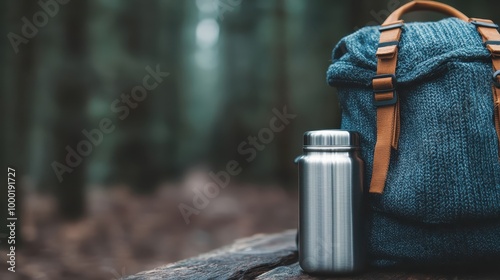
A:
331	137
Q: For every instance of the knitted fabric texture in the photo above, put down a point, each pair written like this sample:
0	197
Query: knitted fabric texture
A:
441	202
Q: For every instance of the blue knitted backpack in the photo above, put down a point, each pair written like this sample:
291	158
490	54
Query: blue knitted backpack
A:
423	98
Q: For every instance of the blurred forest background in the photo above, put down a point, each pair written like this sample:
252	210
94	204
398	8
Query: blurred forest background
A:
231	64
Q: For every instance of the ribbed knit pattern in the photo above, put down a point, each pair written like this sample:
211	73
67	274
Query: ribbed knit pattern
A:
441	202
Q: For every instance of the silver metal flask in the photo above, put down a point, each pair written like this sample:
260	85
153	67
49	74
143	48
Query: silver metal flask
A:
331	234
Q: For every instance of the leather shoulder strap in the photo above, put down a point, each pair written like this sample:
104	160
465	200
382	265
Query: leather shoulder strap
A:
387	103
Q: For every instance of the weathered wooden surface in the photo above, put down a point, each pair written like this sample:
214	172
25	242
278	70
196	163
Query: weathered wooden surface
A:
274	256
245	259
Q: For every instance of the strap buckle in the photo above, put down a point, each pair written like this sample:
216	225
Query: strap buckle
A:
493	47
491	42
385	102
388	44
495	79
484	24
390	26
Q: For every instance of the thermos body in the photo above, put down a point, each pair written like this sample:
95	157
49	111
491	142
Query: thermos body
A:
331	233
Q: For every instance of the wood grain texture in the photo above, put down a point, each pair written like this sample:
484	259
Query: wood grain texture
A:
273	257
245	259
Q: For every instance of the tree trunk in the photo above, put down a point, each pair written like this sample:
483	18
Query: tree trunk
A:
71	98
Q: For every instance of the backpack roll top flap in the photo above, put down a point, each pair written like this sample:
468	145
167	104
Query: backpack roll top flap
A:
446	167
424	50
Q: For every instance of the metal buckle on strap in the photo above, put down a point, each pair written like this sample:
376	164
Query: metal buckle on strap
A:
495	79
493	47
484	24
490	42
386	102
388	44
391	26
387	49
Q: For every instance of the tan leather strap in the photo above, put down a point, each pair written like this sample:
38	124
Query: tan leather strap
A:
491	39
425	6
384	83
386	100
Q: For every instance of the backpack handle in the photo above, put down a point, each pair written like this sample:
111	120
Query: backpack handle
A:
425	6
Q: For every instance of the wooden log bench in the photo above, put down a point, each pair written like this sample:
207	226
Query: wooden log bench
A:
274	256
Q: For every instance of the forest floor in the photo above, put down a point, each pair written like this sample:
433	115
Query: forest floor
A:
124	233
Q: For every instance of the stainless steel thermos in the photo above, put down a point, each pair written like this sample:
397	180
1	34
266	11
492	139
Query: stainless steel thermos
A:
331	234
